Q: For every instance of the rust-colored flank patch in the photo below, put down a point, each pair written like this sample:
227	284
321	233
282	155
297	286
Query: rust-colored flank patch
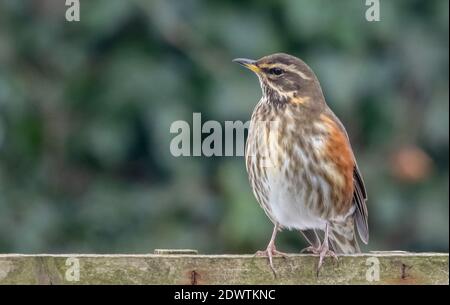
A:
337	150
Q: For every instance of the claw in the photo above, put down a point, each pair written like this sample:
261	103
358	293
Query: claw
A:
323	254
311	249
271	251
322	250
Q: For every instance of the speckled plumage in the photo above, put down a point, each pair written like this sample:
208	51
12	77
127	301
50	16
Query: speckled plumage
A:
300	163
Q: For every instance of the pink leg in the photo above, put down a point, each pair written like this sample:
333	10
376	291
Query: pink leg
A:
325	250
271	250
322	249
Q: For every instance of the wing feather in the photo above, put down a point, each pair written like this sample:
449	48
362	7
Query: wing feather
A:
361	213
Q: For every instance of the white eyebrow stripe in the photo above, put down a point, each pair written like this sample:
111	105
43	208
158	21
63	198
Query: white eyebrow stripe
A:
299	73
302	75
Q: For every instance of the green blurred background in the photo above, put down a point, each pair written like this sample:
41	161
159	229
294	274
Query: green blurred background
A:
85	111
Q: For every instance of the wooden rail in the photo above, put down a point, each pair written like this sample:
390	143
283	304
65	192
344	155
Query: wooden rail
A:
175	267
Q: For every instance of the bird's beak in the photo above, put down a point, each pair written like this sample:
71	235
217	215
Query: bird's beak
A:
248	63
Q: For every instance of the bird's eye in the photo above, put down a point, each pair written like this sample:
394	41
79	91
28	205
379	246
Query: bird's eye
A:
276	71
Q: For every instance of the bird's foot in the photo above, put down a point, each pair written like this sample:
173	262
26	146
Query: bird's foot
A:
311	249
323	251
269	253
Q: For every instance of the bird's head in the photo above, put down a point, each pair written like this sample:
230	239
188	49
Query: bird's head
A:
284	78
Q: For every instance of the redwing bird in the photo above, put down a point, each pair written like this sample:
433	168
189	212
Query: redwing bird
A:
300	163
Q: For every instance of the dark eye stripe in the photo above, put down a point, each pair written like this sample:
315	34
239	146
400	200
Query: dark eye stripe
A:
276	71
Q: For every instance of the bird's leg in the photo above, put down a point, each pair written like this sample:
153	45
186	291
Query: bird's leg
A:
325	250
314	243
271	250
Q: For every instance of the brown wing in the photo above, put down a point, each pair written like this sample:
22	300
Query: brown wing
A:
359	198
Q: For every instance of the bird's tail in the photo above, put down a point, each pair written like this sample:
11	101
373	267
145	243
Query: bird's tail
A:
342	237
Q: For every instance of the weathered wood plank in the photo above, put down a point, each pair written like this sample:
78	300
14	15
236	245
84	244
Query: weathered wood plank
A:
394	268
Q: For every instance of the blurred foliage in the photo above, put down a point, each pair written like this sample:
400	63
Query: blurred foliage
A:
85	111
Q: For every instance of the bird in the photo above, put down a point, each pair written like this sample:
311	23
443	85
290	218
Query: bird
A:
300	163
